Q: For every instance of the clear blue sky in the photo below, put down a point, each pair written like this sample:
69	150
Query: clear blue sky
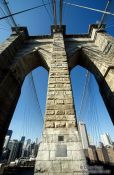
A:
27	119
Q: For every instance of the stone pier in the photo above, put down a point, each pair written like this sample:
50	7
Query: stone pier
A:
60	151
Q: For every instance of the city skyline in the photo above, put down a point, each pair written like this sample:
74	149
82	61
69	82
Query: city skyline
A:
85	137
18	151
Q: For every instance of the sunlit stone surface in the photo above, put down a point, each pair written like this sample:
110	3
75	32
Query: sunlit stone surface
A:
61	150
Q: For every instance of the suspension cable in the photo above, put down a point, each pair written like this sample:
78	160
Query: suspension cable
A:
36	94
9	12
103	16
61	9
51	9
5	19
13	14
109	26
46	9
89	8
54	9
84	91
38	118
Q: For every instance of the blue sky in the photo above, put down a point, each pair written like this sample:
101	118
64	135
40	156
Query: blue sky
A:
27	119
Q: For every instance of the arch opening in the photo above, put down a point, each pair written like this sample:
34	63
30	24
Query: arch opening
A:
11	87
31	103
28	117
89	105
86	61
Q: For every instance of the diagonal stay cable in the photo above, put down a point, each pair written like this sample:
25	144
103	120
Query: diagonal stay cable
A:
84	91
89	8
5	14
109	26
47	9
36	95
104	14
51	6
95	112
23	11
9	12
33	123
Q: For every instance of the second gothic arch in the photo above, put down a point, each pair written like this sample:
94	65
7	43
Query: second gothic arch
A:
99	68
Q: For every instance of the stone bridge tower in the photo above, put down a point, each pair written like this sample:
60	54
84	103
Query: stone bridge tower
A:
61	150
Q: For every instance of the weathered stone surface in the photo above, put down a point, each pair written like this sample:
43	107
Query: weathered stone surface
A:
56	117
49	124
60	124
20	54
50	112
71	124
65	156
59	102
61	151
69	112
60	112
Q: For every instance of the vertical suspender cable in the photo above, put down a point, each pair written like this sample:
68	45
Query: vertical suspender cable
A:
52	3
61	9
55	17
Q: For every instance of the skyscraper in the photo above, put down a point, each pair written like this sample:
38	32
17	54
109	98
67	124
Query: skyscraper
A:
13	145
20	149
9	133
83	134
7	138
105	138
90	139
22	139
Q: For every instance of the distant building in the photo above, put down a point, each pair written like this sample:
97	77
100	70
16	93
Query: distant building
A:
110	151
22	139
20	148
13	146
9	133
106	140
90	139
83	134
102	154
101	144
37	141
36	147
86	154
92	153
27	151
7	138
28	142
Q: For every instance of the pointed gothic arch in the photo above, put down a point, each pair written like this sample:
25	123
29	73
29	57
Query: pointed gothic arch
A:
98	67
12	75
